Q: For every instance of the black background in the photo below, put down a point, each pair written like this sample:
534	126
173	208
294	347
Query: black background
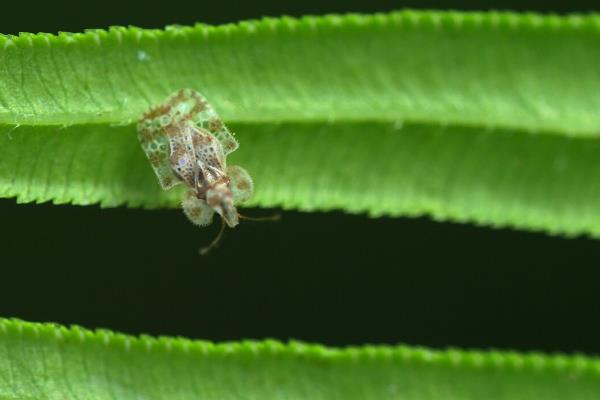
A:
330	278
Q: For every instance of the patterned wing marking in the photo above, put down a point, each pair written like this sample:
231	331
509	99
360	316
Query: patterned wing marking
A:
216	127
156	147
208	150
197	210
156	129
182	159
164	132
180	105
207	118
240	183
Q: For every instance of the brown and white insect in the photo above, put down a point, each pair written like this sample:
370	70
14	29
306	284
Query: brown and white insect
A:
187	143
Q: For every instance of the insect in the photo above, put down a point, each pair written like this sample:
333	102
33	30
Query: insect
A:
187	143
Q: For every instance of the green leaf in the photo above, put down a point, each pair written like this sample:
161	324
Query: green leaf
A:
484	117
52	362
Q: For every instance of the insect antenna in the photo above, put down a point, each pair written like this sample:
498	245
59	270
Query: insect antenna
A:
206	249
274	217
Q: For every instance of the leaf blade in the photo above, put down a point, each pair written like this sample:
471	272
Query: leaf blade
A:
78	363
528	181
479	69
506	82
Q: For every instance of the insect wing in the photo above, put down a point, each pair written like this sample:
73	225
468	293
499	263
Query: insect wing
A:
205	117
185	140
153	133
209	152
183	160
156	147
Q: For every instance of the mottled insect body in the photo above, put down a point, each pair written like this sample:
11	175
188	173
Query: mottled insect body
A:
187	143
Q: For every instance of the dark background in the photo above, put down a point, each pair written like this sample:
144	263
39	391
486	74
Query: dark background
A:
330	278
